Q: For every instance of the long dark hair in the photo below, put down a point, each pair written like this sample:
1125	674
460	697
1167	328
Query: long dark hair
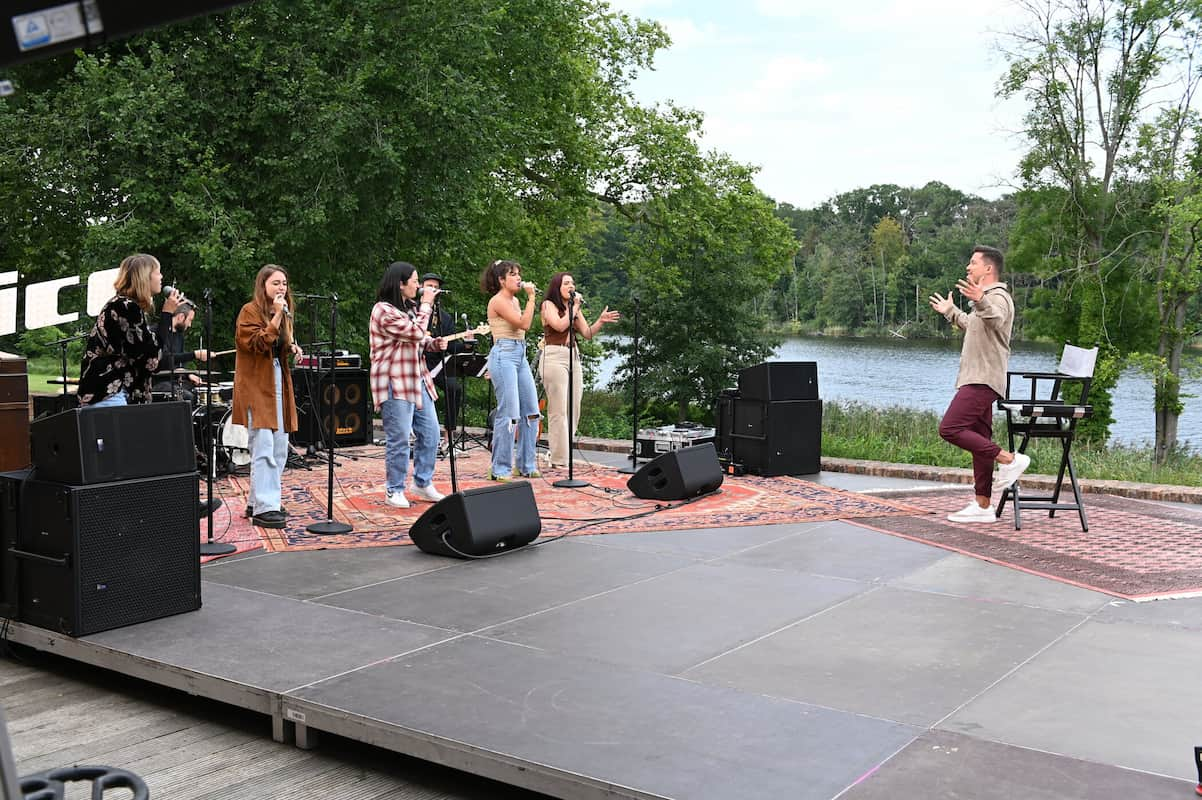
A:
494	274
398	273
555	291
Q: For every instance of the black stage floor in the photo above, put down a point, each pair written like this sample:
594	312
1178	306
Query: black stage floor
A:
815	660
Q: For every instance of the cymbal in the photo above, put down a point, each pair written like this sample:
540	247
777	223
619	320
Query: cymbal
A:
168	373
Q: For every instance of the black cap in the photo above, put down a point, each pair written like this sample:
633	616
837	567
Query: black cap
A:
432	276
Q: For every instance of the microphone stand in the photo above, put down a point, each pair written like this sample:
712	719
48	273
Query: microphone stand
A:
62	346
571	482
330	527
210	547
634	402
446	393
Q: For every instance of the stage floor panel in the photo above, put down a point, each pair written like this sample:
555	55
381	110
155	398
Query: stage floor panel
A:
612	726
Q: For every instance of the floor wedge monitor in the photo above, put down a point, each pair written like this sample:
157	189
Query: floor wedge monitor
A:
679	474
479	522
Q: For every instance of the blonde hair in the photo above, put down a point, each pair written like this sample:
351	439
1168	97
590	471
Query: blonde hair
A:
133	279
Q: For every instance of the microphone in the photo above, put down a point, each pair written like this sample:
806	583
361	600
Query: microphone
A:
576	295
167	290
528	284
287	311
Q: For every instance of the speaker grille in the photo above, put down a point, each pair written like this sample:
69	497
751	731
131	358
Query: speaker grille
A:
132	553
347	399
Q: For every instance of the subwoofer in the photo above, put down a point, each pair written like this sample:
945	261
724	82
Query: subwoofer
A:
100	445
679	474
348	397
780	380
778	438
479	522
10	523
106	555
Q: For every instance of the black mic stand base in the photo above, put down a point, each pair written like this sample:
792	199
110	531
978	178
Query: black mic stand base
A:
633	466
204	506
216	549
570	483
330	527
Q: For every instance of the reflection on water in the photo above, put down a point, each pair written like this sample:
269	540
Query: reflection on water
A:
922	375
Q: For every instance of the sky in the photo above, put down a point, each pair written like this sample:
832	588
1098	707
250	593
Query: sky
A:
826	96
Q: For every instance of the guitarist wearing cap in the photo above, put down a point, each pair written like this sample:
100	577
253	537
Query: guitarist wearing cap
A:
442	324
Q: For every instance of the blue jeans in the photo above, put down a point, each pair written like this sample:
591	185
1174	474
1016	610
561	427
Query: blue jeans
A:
517	406
118	399
268	455
400	417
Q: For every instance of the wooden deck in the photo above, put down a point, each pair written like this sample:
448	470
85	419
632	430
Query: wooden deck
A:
62	713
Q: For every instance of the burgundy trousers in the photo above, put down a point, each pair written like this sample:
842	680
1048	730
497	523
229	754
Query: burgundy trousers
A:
968	424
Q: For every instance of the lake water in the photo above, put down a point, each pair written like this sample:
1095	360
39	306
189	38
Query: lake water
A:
922	375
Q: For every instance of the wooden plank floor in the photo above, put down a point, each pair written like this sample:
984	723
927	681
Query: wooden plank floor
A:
62	713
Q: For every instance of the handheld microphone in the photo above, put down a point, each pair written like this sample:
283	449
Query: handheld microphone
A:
287	311
578	295
167	290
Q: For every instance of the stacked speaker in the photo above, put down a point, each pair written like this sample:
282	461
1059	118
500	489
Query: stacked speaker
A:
772	424
103	531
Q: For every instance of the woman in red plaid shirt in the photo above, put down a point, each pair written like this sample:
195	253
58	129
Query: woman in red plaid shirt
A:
401	386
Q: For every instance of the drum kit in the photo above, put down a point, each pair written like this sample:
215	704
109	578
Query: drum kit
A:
212	411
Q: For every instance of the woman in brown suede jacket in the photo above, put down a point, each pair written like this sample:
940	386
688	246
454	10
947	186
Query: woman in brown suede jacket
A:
263	400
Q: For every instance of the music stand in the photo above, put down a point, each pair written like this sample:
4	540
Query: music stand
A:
331	526
465	365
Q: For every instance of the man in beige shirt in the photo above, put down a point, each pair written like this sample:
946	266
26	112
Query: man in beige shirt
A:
968	421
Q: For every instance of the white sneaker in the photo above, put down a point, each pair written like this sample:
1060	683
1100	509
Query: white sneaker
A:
427	493
1007	474
397	500
974	513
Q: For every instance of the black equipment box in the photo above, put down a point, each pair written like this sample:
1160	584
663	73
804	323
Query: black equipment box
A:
777	438
780	380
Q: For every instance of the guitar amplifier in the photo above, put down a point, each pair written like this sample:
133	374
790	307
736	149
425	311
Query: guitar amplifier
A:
342	360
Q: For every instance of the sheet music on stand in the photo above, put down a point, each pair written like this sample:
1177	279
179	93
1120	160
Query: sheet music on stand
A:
472	365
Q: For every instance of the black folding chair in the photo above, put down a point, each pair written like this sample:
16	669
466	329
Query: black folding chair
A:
1047	405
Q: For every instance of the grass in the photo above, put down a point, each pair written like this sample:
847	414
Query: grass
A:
901	435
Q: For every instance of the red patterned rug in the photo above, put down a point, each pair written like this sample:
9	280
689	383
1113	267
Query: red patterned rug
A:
1134	549
606	506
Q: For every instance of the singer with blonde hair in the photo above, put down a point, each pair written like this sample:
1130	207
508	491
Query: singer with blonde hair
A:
517	399
562	309
263	399
122	350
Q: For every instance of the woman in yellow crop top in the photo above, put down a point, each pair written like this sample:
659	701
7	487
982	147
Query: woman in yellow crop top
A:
517	399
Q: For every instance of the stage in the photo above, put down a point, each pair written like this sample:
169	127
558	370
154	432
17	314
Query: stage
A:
803	660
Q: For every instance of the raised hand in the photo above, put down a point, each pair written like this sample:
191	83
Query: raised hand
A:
941	304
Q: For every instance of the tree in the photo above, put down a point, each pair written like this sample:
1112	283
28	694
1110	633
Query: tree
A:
1088	68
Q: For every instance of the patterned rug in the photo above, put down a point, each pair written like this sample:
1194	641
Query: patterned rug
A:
1134	549
605	506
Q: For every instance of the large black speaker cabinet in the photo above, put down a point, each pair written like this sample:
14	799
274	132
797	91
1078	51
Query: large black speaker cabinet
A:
348	395
780	380
678	474
778	438
10	523
105	555
479	522
98	445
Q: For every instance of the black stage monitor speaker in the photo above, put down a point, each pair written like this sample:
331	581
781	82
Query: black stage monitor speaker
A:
349	395
98	557
778	438
10	523
479	522
780	380
100	445
678	474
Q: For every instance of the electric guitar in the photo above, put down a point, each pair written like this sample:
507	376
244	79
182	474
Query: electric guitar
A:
479	330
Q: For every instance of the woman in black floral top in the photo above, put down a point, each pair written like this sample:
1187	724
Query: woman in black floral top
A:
123	349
